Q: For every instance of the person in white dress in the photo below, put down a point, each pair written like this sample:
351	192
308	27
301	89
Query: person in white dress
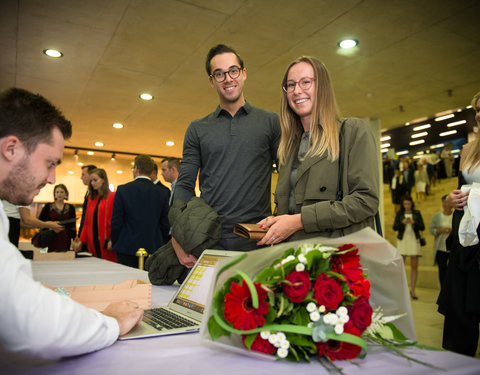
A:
409	223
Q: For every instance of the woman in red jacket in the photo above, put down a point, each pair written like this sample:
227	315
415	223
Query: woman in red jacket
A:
96	229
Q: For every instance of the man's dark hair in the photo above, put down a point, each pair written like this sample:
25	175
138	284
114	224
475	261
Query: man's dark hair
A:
172	162
89	167
145	164
218	50
31	118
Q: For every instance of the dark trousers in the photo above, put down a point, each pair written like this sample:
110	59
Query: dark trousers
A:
236	243
441	258
127	260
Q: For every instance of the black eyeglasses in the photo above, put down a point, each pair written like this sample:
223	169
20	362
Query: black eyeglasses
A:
304	83
233	72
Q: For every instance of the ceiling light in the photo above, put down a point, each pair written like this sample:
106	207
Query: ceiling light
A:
385	145
113	156
71	172
468	107
383	150
117	125
444	117
437	146
401	152
455	151
457	123
407	123
444	134
419	142
170	143
421	127
348	43
146	96
417	135
90	153
386	138
420	152
99	144
119	172
79	163
52	53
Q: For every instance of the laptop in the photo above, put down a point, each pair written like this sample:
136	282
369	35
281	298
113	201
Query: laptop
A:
184	312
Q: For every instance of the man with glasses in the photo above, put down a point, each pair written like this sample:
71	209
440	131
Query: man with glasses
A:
234	148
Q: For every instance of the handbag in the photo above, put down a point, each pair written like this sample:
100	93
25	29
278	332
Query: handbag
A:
43	238
339	197
423	241
250	231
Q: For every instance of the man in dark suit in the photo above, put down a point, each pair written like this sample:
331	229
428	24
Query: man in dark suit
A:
85	177
140	214
156	181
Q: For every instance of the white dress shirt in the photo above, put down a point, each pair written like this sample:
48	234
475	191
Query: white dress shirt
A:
39	322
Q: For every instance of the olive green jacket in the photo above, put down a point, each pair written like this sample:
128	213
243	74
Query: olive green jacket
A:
316	186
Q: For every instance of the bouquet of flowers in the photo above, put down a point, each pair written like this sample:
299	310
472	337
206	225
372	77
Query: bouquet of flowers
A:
312	301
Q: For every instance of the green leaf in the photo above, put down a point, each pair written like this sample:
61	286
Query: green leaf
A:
301	317
265	274
215	330
397	334
249	339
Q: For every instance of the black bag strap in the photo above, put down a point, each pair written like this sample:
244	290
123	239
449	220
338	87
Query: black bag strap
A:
378	224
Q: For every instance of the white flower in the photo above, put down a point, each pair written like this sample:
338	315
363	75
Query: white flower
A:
282	353
265	335
314	316
341	311
281	336
272	338
302	258
343	319
290	258
300	267
322	309
339	329
310	325
333	319
311	307
285	344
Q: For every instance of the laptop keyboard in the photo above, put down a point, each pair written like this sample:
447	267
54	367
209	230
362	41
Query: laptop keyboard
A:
161	318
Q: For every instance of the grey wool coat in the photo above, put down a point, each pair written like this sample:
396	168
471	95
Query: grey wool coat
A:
316	187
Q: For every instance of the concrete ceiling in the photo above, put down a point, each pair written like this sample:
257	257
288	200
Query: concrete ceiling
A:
411	53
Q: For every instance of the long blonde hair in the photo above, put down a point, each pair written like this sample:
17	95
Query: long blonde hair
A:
323	120
472	159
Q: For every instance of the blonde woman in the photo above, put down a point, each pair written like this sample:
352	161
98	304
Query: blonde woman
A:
316	147
459	298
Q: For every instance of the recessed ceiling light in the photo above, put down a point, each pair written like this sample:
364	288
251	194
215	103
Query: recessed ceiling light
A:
146	96
52	53
386	138
99	144
90	153
170	143
117	125
79	163
348	43
119	172
71	172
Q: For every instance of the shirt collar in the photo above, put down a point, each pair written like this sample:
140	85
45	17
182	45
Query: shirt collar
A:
148	178
246	108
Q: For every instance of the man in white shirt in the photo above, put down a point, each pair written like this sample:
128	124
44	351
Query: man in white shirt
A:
34	320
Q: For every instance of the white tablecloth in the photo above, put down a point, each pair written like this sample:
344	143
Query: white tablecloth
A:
186	354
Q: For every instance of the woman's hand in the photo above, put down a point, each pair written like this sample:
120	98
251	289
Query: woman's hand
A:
280	228
457	199
77	245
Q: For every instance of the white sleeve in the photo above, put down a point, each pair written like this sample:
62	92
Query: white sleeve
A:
40	322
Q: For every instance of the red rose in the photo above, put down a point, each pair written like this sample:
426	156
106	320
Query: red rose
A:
361	288
360	314
348	264
328	292
261	345
334	349
299	285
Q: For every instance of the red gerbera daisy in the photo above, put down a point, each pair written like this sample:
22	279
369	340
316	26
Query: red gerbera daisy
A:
239	310
348	265
261	345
